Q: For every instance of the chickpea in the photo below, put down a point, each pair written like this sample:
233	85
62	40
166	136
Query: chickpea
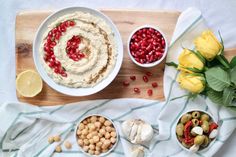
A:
205	117
93	119
113	140
86	148
196	114
89	136
91	126
95	139
107	143
81	126
107	123
98	148
78	132
102	139
91	141
94	133
58	149
107	135
80	142
84	132
102	131
104	150
108	129
50	140
92	147
97	152
113	134
86	142
101	119
91	152
100	135
99	144
88	120
57	138
82	136
85	122
97	124
67	144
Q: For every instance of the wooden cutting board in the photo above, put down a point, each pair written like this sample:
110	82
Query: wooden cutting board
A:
126	21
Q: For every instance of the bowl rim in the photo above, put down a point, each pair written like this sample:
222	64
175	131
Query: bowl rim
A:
191	110
147	65
102	154
82	91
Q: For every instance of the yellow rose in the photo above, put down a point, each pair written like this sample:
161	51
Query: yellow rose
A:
208	45
190	82
188	59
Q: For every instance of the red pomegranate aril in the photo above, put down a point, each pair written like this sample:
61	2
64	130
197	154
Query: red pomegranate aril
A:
149	92
154	84
133	78
64	75
51	64
125	83
56	70
148	73
53	57
145	78
136	90
72	23
67	23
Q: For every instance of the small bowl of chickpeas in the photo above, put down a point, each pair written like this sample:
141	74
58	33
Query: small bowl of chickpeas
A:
96	135
196	130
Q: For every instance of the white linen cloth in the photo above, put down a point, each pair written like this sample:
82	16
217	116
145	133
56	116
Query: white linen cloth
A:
24	128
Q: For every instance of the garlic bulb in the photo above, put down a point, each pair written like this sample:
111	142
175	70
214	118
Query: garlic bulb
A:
137	131
194	148
213	133
137	152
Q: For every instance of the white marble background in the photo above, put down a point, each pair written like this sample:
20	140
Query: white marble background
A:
219	14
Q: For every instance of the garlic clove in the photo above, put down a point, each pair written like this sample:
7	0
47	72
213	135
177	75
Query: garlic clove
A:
126	127
134	133
137	152
213	133
194	148
197	130
147	132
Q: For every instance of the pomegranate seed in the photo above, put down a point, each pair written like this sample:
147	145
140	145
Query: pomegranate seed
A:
133	78
149	92
72	23
136	90
125	83
145	78
64	75
54	30
67	23
56	70
148	73
154	84
51	64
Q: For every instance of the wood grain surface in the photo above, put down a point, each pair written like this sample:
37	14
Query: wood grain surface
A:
126	21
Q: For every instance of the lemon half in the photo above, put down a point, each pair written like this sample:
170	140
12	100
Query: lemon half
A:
29	83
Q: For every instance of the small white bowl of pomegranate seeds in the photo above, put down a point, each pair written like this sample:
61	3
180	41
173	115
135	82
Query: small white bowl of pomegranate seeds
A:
147	46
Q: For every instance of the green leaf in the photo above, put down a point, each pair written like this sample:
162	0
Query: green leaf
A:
228	95
233	75
217	78
233	62
215	96
172	64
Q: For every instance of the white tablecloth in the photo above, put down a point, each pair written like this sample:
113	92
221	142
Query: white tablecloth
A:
220	15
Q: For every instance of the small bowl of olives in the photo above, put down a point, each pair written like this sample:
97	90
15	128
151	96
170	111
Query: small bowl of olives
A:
196	130
96	135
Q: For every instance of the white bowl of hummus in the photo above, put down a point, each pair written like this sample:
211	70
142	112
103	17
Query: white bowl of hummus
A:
78	51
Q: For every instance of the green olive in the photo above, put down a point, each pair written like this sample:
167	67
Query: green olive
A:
180	138
204	117
186	145
180	129
195	122
198	140
206	141
205	126
185	118
196	114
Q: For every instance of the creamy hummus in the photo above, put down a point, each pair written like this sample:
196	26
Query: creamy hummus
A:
97	44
